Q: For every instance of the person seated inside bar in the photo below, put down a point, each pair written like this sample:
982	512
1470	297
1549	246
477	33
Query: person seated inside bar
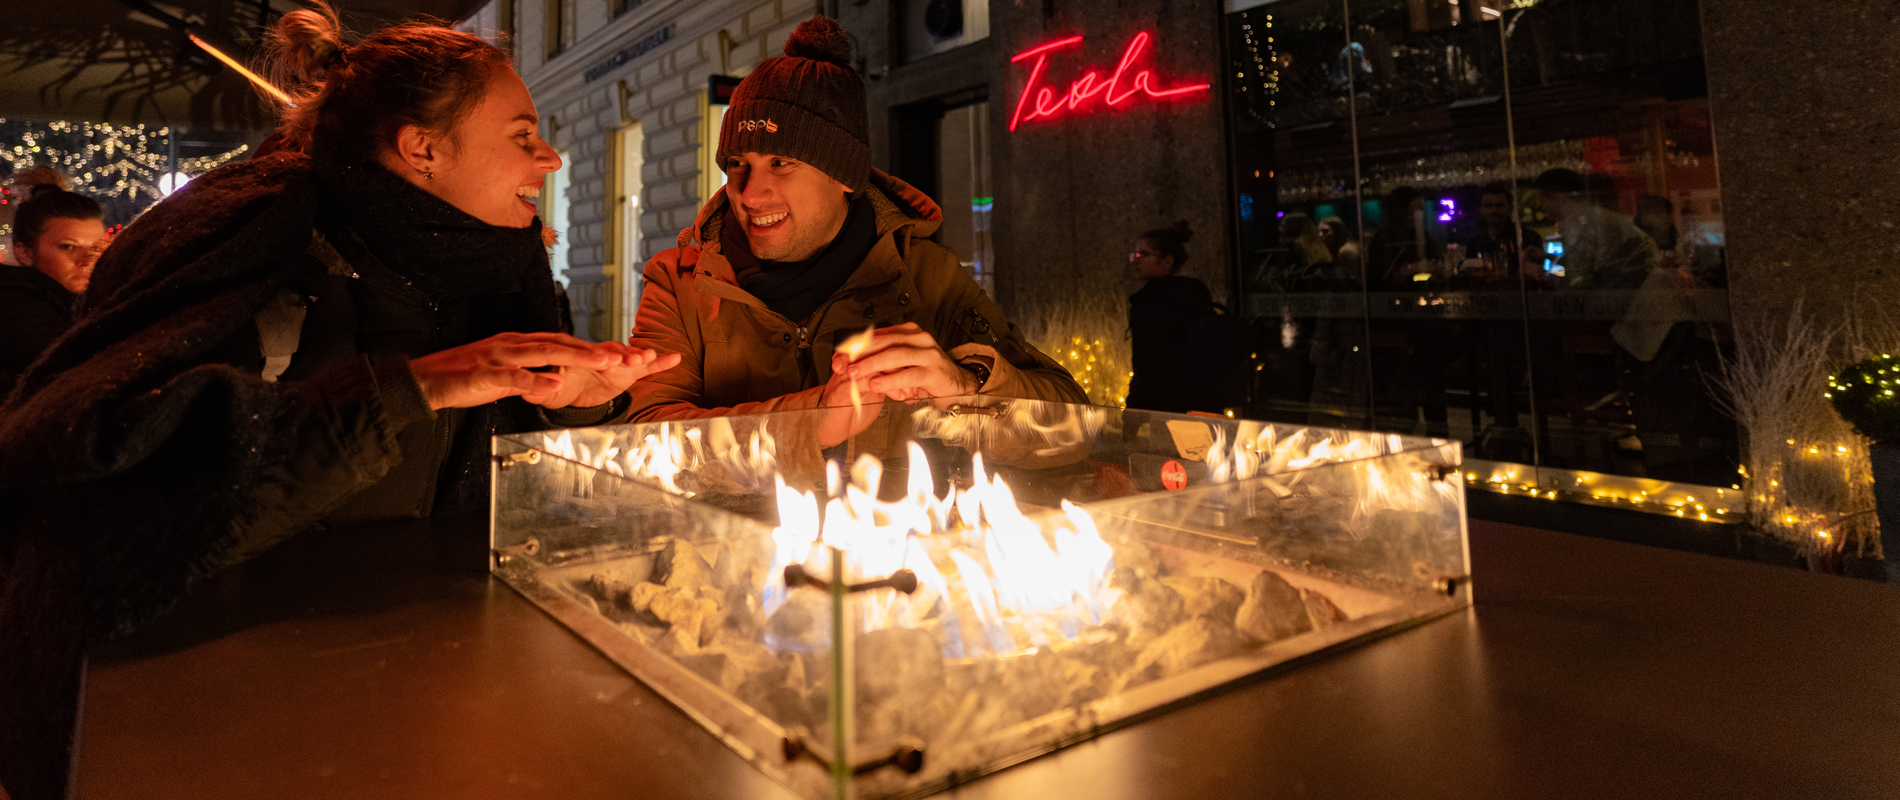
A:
1601	248
332	333
808	246
1498	242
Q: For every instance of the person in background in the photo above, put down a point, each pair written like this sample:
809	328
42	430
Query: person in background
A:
1602	249
1348	258
331	334
1499	242
57	236
1656	218
1302	239
1160	320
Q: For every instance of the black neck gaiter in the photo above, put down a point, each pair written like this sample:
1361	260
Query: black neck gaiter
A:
794	289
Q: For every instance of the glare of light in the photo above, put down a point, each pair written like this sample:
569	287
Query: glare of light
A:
248	75
171	182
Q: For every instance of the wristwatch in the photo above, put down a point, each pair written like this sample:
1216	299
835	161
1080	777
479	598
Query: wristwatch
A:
977	370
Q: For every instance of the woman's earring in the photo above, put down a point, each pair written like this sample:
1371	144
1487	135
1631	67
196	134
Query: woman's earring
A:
428	174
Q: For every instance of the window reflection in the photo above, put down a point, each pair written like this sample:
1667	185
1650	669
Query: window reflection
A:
1556	303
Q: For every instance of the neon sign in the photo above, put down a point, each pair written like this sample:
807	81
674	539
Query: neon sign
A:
1121	86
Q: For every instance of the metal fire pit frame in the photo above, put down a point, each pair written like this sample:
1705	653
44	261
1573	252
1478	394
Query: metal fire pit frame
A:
777	751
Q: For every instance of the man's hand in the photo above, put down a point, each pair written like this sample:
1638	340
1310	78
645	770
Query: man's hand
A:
499	366
905	363
841	420
587	387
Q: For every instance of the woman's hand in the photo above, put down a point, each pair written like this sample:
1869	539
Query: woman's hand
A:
904	362
591	387
843	420
500	366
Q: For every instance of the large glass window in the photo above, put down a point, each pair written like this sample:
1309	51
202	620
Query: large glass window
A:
1492	221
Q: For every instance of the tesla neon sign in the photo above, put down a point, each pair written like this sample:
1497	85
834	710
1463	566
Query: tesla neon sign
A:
1121	86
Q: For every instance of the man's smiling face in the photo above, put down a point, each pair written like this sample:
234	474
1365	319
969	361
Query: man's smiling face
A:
789	210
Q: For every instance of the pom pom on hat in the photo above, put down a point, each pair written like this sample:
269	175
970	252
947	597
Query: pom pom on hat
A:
820	39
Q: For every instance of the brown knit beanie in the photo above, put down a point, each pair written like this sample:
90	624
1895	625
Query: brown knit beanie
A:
807	104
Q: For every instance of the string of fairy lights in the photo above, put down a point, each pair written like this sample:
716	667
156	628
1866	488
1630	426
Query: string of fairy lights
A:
1266	62
1103	379
123	161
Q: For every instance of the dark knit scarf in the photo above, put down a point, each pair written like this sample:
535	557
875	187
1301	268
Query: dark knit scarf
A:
440	248
498	277
795	289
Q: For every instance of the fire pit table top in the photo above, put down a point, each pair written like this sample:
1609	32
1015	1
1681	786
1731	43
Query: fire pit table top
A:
1587	668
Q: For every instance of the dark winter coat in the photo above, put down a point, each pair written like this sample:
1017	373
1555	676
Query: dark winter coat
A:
34	310
1161	327
146	450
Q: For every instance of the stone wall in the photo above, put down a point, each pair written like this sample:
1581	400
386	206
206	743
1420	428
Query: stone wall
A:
1809	138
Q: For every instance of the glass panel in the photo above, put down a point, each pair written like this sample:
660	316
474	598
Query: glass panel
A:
1301	218
1059	569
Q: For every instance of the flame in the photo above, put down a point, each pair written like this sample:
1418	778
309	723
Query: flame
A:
852	348
992	579
1016	582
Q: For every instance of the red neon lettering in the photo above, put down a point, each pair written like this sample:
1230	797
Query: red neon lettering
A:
1120	86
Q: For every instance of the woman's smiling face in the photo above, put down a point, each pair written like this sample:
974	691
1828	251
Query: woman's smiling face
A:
491	163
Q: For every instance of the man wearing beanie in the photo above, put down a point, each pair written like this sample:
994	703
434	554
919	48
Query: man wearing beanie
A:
807	246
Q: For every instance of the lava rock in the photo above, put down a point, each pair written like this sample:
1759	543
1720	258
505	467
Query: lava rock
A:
679	565
1208	597
901	665
1189	645
1321	610
1149	608
1273	610
802	623
1134	562
612	593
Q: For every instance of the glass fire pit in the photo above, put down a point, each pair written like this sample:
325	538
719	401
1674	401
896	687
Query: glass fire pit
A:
969	583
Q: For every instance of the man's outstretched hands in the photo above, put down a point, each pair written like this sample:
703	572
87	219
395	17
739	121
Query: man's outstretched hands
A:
584	373
904	362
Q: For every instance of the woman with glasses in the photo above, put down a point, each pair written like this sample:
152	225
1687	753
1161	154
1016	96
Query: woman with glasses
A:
1161	318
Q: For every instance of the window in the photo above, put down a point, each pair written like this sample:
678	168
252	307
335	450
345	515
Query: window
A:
554	214
712	115
554	26
629	158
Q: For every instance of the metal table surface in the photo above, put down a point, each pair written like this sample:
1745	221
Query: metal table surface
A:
385	663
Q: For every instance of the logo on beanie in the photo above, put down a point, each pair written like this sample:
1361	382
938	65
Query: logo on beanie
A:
766	125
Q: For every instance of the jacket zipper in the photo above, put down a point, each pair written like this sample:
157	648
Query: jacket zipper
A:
806	367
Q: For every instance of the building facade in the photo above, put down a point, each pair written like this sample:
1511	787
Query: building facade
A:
1362	183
